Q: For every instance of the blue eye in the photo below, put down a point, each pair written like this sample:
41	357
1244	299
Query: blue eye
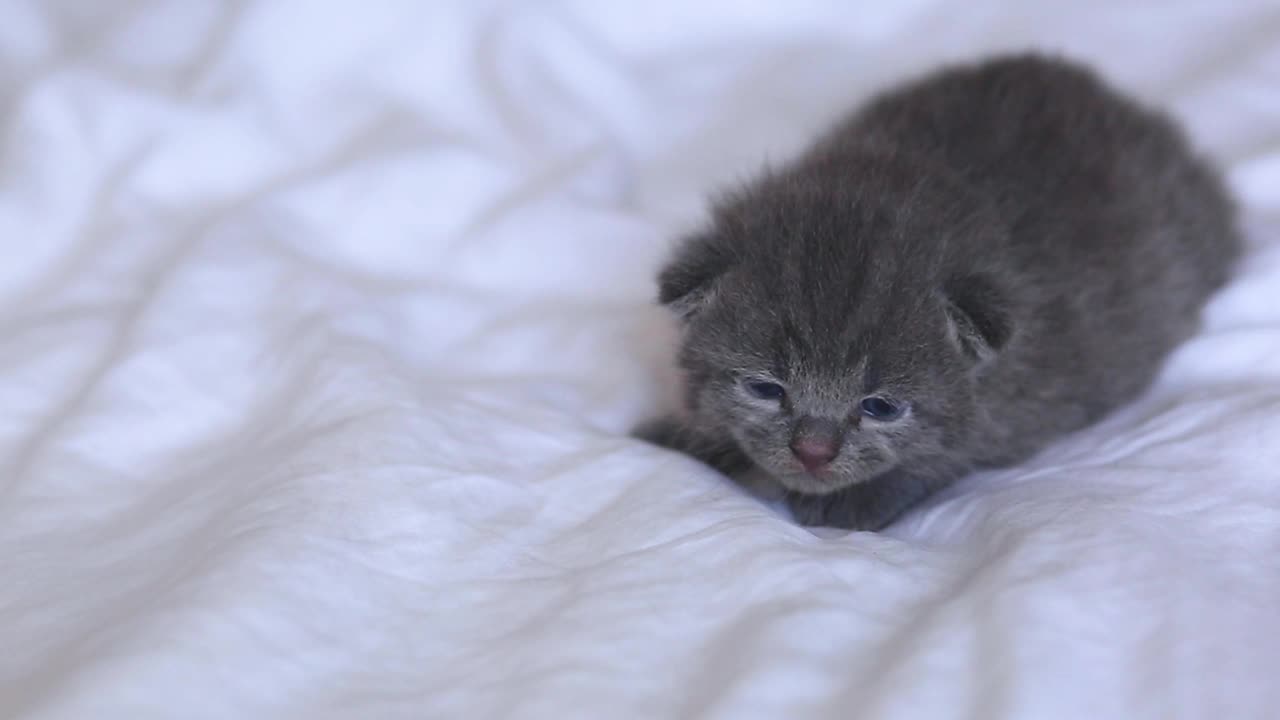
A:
766	390
878	408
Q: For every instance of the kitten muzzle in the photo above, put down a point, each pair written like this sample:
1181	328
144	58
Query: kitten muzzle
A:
816	442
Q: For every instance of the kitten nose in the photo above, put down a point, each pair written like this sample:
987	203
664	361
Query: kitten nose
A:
816	443
814	453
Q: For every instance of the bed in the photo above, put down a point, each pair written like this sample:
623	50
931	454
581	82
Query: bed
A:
324	324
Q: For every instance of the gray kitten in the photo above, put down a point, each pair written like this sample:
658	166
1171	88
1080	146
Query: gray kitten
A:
962	271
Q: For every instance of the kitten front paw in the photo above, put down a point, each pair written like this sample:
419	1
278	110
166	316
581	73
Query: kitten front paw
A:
840	510
671	433
663	432
860	507
808	510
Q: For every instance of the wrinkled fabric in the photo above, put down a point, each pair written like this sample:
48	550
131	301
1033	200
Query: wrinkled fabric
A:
323	324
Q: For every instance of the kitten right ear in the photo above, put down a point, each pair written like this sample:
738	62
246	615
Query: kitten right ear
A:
978	316
688	280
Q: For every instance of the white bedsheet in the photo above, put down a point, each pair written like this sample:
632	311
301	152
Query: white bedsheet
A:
323	323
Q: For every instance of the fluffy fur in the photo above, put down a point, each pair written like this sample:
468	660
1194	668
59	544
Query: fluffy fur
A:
1006	251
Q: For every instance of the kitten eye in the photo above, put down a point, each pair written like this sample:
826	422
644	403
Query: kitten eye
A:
878	408
766	390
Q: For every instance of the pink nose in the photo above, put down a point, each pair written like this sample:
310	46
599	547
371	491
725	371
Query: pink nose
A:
814	453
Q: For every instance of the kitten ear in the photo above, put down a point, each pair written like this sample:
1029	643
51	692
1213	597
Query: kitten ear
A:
978	316
686	283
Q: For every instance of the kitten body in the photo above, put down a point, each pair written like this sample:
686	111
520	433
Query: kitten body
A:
962	271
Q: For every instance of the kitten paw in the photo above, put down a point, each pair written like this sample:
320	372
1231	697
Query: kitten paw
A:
838	510
663	432
872	505
669	432
808	510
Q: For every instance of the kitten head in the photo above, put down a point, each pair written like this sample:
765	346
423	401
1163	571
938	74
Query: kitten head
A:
826	328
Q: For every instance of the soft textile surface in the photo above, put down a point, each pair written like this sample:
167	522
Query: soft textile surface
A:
323	325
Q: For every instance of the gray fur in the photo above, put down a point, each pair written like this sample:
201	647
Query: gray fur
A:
1010	249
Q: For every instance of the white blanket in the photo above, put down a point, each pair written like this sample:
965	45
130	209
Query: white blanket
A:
323	324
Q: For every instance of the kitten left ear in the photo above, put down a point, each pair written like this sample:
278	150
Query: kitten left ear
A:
978	315
686	283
